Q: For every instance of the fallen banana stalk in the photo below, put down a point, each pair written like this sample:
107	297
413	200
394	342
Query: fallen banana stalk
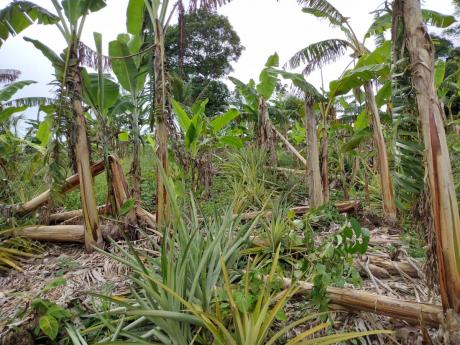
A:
289	171
347	206
62	233
393	268
290	147
343	207
75	233
31	205
120	190
357	300
60	217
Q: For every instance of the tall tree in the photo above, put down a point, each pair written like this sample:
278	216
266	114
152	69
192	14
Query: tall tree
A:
318	54
407	15
210	45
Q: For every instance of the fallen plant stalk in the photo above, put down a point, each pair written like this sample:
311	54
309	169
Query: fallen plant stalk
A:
356	300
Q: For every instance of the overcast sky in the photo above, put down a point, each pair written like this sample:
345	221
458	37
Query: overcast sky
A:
264	26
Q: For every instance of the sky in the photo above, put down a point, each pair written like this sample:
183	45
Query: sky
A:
264	26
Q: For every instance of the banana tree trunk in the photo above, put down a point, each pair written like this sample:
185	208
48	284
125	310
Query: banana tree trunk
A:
265	134
136	163
386	186
161	125
444	207
93	234
324	155
315	186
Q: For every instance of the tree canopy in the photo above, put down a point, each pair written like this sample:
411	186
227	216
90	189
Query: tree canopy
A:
211	45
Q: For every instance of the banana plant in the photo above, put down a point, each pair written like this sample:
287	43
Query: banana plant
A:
256	106
71	16
6	95
445	221
201	135
448	87
101	93
156	15
398	93
19	15
321	53
131	73
311	97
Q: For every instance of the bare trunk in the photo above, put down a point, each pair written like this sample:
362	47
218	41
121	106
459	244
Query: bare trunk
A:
343	177
324	158
136	163
93	235
121	191
265	137
315	186
355	170
64	233
444	207
386	186
161	126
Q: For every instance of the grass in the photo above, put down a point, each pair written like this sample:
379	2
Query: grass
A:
72	199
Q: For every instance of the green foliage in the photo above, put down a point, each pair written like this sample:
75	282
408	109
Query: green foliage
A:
135	16
215	91
92	91
200	133
19	15
50	315
322	217
382	22
75	9
211	45
127	206
189	267
245	315
57	62
267	78
356	77
126	67
219	122
247	173
300	82
332	263
318	54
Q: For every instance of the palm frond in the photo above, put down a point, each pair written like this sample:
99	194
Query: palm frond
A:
318	54
322	8
206	4
9	75
29	102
